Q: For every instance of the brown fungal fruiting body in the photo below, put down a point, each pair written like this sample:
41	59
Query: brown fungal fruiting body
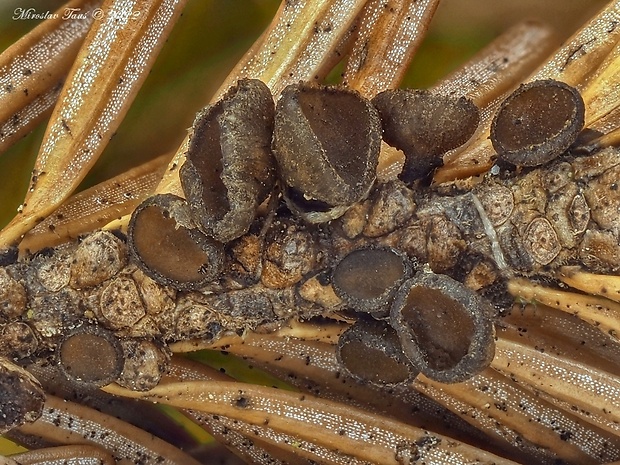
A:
446	330
366	279
537	122
91	356
229	169
326	141
425	126
370	352
167	246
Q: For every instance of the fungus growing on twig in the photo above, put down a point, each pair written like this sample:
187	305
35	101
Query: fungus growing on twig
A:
366	279
326	141
229	169
537	122
91	356
445	329
370	352
425	126
166	246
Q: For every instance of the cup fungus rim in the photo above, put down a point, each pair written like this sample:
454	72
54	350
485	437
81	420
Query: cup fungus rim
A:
482	343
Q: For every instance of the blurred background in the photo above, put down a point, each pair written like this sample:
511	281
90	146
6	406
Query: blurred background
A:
210	38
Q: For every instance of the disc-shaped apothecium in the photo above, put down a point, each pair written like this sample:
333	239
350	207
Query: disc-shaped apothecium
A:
537	122
166	245
370	352
366	279
229	169
445	329
326	141
79	351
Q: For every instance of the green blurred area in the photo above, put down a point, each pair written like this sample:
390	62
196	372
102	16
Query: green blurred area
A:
236	368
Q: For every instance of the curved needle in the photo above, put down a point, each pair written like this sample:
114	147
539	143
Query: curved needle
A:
112	64
345	429
33	69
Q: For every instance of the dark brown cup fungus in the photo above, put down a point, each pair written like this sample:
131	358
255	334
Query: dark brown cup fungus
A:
326	141
229	169
445	329
370	352
167	247
91	356
537	122
425	126
367	279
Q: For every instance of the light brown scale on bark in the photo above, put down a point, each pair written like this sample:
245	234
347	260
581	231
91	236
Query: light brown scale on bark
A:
55	273
289	254
145	364
541	241
392	206
579	214
19	340
497	200
120	303
12	296
98	257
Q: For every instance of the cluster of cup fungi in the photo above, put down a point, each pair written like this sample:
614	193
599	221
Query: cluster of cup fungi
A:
324	151
318	150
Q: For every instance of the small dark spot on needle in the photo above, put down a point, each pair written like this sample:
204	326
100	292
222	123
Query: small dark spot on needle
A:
65	126
578	52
